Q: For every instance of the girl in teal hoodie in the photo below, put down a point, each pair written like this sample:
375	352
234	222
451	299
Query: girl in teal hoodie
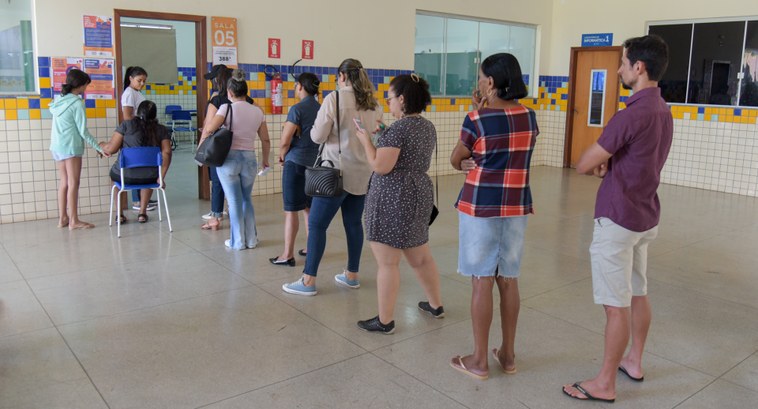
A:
67	146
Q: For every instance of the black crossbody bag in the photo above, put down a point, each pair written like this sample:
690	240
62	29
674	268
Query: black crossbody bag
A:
322	180
216	147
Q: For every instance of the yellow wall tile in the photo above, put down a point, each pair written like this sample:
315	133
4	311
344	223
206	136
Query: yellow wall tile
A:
22	103
44	82
2	103
11	115
100	112
35	114
91	113
10	103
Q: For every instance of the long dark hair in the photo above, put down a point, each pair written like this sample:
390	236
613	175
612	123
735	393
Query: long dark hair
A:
362	87
133	72
222	77
147	122
506	75
74	79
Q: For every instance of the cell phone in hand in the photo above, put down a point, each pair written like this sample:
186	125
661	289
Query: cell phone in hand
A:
358	123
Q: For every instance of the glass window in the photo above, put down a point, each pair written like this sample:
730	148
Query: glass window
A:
749	89
17	62
449	50
674	82
710	63
461	58
716	60
597	98
523	45
429	50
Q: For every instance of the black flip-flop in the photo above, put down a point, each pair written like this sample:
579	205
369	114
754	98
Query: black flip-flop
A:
585	393
623	370
302	252
142	218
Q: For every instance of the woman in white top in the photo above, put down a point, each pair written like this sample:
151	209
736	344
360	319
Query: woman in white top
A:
356	101
237	174
134	81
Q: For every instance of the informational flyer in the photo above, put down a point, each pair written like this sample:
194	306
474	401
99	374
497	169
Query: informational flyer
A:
60	68
224	35
226	56
101	73
98	36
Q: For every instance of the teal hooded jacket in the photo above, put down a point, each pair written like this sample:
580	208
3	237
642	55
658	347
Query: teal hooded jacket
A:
70	126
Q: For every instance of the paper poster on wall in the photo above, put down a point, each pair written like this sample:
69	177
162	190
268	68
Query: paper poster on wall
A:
61	67
98	36
274	48
308	46
101	73
224	41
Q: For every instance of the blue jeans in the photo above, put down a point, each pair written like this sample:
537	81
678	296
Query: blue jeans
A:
323	210
217	193
237	175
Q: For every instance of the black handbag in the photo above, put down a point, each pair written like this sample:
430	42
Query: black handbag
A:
215	148
325	181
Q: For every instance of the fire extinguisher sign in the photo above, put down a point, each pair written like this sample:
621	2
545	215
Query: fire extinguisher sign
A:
274	48
307	50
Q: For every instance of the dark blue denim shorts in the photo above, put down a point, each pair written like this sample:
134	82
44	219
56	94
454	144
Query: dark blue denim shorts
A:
293	188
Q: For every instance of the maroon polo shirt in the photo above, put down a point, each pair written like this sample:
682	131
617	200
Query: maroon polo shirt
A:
639	137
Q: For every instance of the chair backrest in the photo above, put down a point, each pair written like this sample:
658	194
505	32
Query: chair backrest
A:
142	156
181	115
172	108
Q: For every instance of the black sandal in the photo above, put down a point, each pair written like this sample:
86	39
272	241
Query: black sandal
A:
142	218
121	219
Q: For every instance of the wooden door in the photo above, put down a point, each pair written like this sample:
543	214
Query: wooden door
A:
201	65
593	97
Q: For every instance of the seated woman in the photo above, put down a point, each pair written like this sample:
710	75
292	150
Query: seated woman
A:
142	130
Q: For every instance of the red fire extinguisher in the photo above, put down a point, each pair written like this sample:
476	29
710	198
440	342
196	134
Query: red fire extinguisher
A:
277	97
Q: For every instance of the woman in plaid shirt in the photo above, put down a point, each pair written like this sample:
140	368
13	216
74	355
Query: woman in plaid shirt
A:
496	145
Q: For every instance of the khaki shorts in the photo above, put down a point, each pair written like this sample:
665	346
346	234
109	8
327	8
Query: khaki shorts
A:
619	262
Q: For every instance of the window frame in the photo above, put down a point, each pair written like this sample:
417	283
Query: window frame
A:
693	22
533	76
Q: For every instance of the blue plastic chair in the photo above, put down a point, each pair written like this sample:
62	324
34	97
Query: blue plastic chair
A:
137	158
169	109
182	121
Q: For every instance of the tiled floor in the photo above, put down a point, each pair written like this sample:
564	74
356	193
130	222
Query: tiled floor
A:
160	320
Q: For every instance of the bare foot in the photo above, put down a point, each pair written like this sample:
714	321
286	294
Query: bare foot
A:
62	223
507	365
80	225
632	370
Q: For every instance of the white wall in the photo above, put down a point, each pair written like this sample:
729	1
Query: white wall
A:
380	34
572	18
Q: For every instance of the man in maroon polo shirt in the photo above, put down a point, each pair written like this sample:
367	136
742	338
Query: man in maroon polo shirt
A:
629	157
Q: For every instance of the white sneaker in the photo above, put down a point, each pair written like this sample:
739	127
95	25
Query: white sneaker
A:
209	215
